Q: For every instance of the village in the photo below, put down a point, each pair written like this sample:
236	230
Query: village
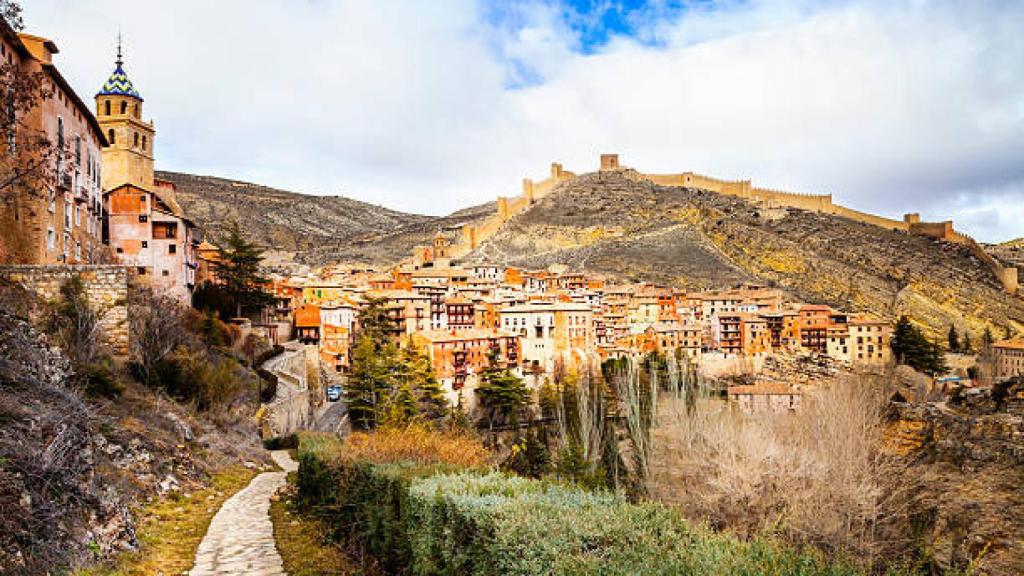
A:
102	204
198	364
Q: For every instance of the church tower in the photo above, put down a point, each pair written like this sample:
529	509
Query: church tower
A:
129	157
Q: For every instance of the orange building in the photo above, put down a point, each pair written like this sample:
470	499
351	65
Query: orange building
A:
307	324
54	213
459	357
150	231
813	324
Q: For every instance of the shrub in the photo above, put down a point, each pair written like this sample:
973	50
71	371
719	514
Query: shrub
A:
288	442
434	519
417	443
100	379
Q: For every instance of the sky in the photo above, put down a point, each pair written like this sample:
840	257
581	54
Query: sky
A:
429	106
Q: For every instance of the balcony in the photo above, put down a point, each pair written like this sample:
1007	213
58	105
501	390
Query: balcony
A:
64	182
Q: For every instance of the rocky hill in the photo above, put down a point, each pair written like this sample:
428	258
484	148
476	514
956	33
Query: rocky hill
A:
317	229
615	224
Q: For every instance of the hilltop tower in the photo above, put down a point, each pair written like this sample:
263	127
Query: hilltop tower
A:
129	157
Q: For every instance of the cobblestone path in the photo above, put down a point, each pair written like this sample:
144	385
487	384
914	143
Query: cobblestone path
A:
240	539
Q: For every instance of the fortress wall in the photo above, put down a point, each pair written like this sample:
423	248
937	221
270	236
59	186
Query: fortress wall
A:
666	179
939	230
815	202
869	218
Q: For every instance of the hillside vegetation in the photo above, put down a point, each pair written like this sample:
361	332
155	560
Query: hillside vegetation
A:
630	229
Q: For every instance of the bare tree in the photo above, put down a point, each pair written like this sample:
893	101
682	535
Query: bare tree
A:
818	476
157	330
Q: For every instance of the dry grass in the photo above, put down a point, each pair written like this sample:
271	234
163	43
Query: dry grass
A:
417	443
171	529
304	544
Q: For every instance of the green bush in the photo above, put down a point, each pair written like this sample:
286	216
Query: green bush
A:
100	379
426	520
289	442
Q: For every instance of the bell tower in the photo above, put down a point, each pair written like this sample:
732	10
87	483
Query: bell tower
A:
129	157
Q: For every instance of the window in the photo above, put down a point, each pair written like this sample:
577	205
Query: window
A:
51	239
136	109
143	218
106	107
141	270
165	273
110	134
78	150
172	249
120	250
124	107
143	142
145	244
78	250
136	140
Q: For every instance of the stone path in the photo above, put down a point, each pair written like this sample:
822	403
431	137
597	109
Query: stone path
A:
240	539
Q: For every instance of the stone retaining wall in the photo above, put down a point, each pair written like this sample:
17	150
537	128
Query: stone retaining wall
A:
106	290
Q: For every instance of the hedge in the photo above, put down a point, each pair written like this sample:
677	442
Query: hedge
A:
431	520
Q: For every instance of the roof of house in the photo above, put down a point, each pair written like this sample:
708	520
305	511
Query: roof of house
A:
1012	344
467	334
764	389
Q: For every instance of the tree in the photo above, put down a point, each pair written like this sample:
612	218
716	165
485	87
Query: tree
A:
10	10
158	330
954	339
367	383
911	347
502	394
966	346
238	270
429	397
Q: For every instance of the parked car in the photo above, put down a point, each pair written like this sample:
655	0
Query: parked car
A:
333	393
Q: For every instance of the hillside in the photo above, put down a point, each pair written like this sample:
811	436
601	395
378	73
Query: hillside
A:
318	229
631	229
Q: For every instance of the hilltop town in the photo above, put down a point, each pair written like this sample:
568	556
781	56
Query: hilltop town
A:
532	336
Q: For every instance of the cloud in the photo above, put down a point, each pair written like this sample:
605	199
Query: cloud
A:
431	106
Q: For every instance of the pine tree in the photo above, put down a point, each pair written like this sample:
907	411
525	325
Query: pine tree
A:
911	347
954	339
430	399
967	346
237	269
367	382
502	394
986	338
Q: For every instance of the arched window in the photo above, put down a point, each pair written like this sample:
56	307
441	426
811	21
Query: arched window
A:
124	107
143	142
110	135
106	107
136	139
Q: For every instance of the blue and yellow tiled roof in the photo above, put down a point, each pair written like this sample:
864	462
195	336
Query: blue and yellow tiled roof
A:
119	85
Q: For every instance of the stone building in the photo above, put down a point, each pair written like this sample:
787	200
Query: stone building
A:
550	331
53	212
1009	358
765	397
146	228
459	357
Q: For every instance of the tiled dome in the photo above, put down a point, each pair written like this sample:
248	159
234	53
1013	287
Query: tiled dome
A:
119	85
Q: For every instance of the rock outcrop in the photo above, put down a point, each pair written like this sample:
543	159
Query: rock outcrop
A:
969	453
